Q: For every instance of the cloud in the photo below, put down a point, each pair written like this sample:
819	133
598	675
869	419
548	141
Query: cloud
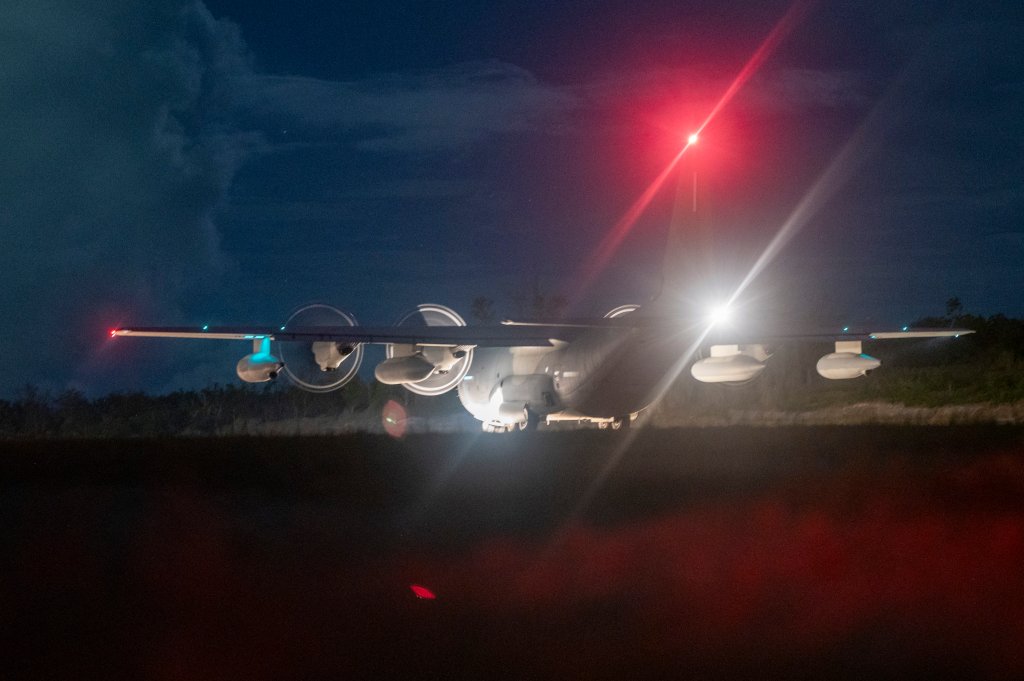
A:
423	111
770	90
118	147
801	88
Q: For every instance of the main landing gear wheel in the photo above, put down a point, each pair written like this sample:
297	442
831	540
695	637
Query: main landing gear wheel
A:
620	423
530	422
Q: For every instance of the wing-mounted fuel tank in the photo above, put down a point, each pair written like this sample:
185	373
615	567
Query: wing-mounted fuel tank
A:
730	364
261	366
426	369
848	361
320	366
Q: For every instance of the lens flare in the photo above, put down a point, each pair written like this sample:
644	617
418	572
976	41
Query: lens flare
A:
394	419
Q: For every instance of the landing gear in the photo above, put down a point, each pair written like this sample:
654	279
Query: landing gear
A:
617	423
531	422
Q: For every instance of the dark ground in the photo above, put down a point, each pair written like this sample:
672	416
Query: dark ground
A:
877	552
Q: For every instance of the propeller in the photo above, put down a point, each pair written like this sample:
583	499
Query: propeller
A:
322	366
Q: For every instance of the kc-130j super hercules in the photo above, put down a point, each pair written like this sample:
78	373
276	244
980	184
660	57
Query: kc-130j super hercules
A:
516	375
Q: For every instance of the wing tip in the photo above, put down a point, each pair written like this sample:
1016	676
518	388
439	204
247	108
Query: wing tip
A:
907	332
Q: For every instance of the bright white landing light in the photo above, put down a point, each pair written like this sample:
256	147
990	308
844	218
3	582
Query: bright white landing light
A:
720	314
692	139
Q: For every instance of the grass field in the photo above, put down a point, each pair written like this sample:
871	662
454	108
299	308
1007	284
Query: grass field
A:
807	552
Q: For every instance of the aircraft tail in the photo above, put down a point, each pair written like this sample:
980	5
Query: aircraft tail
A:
688	264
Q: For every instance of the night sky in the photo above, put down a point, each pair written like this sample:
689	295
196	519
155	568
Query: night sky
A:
177	162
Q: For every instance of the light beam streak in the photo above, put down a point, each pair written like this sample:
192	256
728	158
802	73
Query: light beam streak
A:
863	141
782	29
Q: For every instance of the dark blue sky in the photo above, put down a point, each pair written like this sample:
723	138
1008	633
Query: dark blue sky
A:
181	162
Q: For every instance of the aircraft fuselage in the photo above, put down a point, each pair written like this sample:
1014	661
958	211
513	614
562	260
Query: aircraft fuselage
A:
603	373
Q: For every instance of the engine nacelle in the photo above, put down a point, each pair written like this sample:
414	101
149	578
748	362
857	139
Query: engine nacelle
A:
731	369
330	355
839	366
404	369
260	366
426	369
730	364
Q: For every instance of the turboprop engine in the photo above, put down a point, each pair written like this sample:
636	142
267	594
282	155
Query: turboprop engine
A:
731	364
320	366
419	366
846	362
426	369
260	366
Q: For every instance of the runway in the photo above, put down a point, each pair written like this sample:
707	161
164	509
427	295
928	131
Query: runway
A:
810	552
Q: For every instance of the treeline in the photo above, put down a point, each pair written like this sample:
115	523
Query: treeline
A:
208	411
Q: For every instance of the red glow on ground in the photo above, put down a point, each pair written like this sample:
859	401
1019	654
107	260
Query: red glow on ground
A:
897	564
822	571
422	592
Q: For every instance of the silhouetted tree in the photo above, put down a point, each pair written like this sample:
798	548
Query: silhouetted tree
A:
954	309
536	305
76	415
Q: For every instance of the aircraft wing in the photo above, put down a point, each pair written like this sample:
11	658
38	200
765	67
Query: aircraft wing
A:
505	335
827	336
448	336
729	334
